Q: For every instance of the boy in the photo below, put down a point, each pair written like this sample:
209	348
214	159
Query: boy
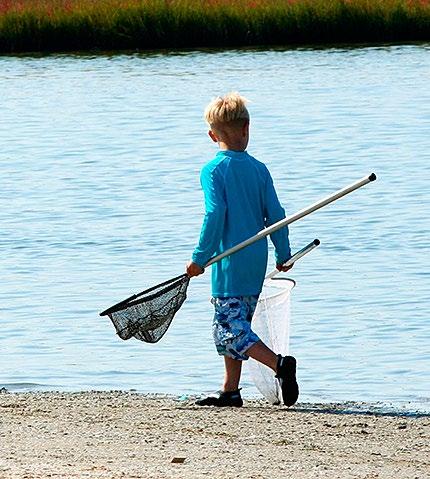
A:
240	200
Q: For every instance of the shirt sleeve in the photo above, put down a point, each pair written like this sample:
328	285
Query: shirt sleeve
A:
274	213
213	222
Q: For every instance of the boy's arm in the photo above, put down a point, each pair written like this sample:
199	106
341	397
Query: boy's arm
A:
274	213
213	223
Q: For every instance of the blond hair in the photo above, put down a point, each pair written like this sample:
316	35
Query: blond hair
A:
228	110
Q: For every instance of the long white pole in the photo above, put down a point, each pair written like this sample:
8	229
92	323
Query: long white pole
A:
296	256
290	219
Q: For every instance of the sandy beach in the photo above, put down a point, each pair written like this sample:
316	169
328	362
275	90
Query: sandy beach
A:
129	435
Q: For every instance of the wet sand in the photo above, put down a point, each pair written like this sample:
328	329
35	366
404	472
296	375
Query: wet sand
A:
127	435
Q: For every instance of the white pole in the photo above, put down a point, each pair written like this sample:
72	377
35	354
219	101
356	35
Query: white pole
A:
290	219
307	249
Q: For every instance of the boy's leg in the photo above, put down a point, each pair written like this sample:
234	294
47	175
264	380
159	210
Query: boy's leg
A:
261	353
228	335
230	394
233	369
283	366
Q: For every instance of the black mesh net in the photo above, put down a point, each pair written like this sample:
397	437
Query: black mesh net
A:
148	315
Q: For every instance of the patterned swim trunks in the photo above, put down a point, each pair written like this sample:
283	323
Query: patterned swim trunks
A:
231	326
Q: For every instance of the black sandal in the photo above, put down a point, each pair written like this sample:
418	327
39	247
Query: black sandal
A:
286	375
222	399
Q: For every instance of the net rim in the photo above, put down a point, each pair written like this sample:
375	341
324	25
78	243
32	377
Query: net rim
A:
281	290
133	301
152	296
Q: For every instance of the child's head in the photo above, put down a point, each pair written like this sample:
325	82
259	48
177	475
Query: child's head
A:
228	119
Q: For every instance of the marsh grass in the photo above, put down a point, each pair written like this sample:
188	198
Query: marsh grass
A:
65	25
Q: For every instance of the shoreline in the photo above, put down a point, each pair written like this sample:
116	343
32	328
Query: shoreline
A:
126	434
412	409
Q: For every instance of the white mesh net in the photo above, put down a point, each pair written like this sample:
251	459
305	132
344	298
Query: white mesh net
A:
271	322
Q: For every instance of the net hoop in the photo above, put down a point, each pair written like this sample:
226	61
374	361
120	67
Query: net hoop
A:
132	300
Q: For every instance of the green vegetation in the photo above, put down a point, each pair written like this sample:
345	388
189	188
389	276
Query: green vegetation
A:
67	25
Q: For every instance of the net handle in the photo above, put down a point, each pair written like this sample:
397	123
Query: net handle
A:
296	256
290	219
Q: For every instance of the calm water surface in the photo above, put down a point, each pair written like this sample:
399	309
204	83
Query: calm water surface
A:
100	198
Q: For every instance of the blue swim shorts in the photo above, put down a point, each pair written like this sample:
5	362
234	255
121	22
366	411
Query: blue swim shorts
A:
231	326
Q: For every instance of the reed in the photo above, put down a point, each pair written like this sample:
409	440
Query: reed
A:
71	25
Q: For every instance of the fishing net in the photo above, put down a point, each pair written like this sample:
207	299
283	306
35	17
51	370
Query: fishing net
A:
271	322
147	315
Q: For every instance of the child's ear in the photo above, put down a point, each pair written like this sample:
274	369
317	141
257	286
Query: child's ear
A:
213	136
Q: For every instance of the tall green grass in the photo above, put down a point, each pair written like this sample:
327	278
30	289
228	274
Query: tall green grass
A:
67	25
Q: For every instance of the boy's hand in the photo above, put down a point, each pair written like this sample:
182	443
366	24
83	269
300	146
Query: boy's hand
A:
283	268
193	269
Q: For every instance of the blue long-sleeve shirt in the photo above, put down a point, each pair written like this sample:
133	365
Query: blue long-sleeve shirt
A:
240	201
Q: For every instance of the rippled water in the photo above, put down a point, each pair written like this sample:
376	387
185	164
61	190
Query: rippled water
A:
100	198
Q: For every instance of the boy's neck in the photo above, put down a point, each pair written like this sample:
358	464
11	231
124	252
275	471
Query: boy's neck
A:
236	146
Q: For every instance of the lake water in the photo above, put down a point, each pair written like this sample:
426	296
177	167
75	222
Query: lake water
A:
100	198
